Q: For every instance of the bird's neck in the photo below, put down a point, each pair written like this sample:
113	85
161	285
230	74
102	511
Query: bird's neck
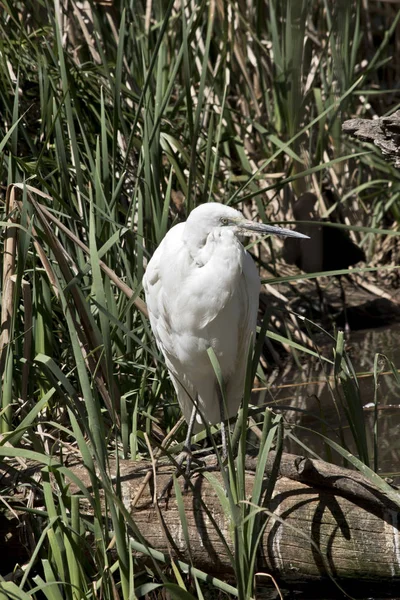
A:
195	238
199	243
202	245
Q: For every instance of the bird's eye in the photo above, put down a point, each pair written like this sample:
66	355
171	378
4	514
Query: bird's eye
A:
224	221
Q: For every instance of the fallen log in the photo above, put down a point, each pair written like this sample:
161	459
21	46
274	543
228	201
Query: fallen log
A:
327	521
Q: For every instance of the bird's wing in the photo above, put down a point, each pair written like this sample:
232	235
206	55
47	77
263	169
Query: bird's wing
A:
156	281
165	274
246	329
252	289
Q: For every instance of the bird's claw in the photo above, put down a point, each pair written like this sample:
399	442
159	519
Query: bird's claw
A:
187	455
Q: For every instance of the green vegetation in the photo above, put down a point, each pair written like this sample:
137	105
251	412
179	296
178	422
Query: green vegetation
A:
117	119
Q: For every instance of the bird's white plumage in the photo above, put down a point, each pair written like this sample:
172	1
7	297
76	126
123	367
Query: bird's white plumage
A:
202	291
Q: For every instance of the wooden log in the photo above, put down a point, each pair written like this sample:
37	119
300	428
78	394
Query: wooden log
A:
383	132
327	521
330	519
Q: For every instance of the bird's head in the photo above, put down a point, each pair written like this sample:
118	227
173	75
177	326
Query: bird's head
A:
212	215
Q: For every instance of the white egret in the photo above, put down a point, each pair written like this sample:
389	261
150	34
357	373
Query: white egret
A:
202	290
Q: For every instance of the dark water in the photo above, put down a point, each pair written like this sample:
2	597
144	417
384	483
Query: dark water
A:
306	390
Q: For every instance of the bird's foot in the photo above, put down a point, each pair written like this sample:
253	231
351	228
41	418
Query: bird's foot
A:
185	455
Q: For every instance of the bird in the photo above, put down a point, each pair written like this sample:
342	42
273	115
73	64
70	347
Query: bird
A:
202	291
330	249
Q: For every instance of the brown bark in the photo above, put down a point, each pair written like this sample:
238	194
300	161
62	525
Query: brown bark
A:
383	132
328	520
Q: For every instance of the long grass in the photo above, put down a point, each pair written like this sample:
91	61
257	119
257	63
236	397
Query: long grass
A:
118	119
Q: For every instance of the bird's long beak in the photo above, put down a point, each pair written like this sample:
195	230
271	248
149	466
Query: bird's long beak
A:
262	229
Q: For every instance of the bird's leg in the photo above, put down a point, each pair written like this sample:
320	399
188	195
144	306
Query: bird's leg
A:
224	466
223	430
188	445
185	454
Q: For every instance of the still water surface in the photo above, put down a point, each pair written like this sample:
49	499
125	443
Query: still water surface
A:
306	390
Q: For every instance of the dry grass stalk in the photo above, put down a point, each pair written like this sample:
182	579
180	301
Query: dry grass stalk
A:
27	299
9	278
10	237
7	307
45	216
87	339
